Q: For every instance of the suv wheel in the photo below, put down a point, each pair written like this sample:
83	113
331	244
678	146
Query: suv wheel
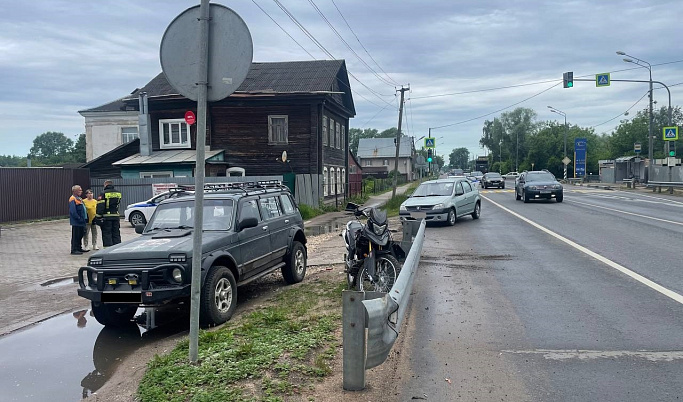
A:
295	264
137	218
477	211
113	315
219	296
525	196
517	196
450	221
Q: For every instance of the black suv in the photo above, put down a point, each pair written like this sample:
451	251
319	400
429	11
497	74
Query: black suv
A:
535	185
492	179
249	230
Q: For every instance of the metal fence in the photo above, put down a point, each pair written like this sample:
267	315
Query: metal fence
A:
381	313
37	193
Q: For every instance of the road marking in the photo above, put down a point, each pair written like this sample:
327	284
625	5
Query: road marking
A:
567	354
651	196
651	284
627	213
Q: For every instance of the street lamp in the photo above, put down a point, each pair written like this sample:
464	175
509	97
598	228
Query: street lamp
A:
637	61
561	113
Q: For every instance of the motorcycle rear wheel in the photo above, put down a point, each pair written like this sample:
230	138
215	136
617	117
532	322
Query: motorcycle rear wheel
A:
387	269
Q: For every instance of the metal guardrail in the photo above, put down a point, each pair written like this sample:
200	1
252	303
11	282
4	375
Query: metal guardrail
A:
381	313
657	185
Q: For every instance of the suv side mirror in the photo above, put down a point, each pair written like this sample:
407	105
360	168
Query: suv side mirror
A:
250	222
459	192
139	228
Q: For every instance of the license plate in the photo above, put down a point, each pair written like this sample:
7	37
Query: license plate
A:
545	191
418	215
121	297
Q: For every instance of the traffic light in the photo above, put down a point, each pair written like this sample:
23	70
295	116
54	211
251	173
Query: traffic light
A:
568	79
672	148
429	155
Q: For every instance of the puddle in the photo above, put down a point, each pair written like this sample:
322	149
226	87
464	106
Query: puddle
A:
55	283
330	227
71	356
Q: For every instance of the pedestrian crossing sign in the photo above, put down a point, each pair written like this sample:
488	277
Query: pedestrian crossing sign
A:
430	142
670	133
602	80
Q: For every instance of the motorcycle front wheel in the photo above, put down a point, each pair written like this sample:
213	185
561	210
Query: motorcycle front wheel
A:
387	269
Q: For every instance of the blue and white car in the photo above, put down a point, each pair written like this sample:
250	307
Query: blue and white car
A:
140	212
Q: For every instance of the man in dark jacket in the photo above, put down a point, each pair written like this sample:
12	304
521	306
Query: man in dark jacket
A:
77	218
108	214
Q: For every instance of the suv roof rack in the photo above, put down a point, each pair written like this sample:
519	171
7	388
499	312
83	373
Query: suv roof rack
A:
246	187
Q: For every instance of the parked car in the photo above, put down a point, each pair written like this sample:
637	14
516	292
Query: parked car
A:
249	231
442	200
535	185
140	212
511	175
477	174
473	180
493	179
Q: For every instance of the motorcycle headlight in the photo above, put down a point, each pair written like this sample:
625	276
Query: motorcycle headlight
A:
438	206
379	229
177	275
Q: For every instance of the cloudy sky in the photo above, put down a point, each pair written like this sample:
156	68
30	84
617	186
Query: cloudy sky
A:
58	57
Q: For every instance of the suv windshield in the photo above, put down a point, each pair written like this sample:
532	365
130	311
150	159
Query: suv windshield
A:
180	215
493	175
540	177
431	189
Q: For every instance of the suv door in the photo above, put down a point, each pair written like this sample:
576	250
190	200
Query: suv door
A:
254	243
278	224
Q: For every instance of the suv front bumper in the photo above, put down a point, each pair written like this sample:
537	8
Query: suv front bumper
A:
142	290
438	215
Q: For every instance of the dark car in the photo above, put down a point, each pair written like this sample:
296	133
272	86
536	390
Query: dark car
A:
492	179
536	185
249	230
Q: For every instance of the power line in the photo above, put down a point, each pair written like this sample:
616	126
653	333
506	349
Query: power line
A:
620	114
361	44
283	30
322	15
499	110
321	47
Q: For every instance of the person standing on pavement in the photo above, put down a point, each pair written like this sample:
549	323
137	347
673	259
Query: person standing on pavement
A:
90	228
108	210
77	218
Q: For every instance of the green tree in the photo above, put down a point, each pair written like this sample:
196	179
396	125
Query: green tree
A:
12	161
51	145
355	134
78	151
458	158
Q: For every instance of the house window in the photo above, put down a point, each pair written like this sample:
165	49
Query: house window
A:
336	136
174	133
343	181
385	162
128	134
333	182
326	180
277	129
324	130
368	162
331	133
352	169
343	137
152	175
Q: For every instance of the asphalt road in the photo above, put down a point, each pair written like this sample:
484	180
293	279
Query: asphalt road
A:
546	301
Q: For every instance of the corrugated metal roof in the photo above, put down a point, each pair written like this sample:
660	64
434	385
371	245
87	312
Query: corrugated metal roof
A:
383	147
625	158
166	157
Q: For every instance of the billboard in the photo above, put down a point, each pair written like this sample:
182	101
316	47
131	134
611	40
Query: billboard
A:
579	157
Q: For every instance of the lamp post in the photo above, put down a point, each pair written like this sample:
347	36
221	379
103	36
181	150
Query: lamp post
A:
637	61
561	113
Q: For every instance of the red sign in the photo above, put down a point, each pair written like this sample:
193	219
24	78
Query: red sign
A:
189	117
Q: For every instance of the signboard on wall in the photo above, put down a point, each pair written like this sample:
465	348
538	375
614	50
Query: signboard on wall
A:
579	157
158	188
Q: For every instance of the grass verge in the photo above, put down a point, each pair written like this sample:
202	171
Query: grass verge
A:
393	204
276	351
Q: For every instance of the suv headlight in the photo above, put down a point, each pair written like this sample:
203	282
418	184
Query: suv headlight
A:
92	279
177	258
532	187
95	261
557	186
177	275
438	206
402	208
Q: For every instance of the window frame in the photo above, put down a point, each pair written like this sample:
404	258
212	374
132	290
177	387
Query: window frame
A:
171	145
337	129
343	137
271	140
325	181
333	183
137	133
325	135
263	209
152	175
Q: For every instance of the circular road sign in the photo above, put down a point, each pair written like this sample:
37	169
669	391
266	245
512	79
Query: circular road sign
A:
230	52
189	117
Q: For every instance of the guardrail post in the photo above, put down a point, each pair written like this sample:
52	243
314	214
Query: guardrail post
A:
410	229
353	333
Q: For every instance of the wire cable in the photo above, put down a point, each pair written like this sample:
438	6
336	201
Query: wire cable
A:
283	30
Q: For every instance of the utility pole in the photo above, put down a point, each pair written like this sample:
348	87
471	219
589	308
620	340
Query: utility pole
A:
398	140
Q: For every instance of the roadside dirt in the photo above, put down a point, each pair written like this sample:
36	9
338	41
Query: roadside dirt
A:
123	384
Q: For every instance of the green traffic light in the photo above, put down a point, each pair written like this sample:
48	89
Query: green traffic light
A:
429	160
570	84
672	153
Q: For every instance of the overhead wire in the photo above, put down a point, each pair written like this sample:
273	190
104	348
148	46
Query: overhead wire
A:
322	15
361	44
283	30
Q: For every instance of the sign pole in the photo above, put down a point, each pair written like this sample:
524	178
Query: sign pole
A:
202	83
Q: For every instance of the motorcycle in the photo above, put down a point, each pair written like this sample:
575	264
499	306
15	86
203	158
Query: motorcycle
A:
371	254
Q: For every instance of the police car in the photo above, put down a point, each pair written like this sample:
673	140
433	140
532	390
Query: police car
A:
140	212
